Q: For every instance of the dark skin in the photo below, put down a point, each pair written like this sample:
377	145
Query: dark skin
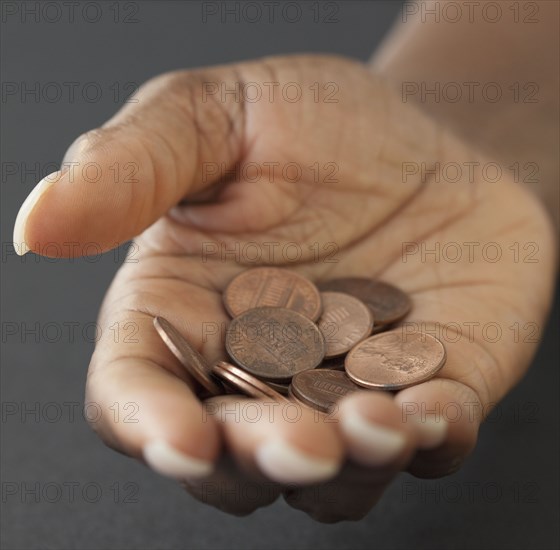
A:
369	212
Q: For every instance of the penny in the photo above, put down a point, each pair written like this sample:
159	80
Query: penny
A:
395	359
274	343
387	303
193	362
345	321
272	287
235	384
319	415
246	383
322	388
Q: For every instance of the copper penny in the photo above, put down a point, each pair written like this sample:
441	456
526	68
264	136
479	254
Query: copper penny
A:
193	362
319	415
345	321
240	380
235	384
387	303
322	388
395	359
272	287
274	343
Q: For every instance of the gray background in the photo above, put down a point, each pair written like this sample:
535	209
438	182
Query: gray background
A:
506	496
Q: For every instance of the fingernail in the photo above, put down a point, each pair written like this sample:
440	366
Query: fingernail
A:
20	244
431	431
284	463
168	461
377	445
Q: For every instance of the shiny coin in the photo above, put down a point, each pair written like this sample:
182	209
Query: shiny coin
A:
322	388
345	321
274	343
272	287
387	303
395	359
247	384
193	362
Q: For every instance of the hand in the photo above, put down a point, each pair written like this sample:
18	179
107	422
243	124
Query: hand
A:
175	136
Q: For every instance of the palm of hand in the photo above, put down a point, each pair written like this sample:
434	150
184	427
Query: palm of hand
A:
351	198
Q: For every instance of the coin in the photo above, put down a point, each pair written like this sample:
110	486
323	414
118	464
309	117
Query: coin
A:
395	359
295	399
273	287
274	343
387	303
235	384
322	388
246	383
345	321
193	362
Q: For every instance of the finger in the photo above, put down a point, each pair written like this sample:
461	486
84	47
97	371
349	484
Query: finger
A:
284	442
118	179
144	405
446	415
379	444
372	428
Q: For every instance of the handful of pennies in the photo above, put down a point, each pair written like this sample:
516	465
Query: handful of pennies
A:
292	340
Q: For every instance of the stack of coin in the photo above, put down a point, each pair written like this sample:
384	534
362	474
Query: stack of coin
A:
313	344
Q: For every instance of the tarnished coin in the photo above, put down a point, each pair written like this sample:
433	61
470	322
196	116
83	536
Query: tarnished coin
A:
395	359
322	388
193	362
244	382
272	287
274	343
294	398
387	303
345	321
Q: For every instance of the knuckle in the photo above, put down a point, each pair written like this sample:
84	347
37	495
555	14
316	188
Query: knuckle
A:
98	145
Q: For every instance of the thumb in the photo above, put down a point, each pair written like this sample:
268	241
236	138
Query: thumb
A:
118	179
